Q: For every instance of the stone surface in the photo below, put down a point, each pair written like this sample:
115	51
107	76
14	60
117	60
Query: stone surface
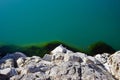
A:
114	64
47	57
62	64
72	57
102	57
60	49
8	72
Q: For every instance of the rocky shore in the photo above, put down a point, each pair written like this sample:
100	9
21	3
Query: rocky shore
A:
61	64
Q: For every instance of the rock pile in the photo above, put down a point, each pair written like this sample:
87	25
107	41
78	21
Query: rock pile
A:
61	64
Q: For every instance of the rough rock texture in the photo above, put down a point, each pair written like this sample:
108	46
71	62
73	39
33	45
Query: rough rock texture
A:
62	64
114	64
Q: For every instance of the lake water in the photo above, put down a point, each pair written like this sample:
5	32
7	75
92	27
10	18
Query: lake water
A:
78	22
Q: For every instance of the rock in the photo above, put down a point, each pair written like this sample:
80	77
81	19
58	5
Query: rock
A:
60	49
14	56
31	76
82	55
62	64
47	57
76	71
114	64
72	57
58	58
67	70
94	72
8	63
20	62
102	57
9	72
9	60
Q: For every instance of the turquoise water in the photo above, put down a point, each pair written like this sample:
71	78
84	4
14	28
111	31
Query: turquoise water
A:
78	22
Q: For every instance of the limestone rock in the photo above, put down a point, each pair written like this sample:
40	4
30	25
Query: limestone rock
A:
47	57
62	64
72	57
60	49
114	64
9	72
102	57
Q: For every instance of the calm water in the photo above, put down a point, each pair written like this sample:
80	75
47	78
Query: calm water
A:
78	22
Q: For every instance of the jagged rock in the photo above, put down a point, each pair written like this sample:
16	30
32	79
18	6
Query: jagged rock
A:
14	56
66	71
62	64
8	63
9	60
31	76
58	58
102	57
20	62
72	57
47	57
9	72
60	49
114	64
94	72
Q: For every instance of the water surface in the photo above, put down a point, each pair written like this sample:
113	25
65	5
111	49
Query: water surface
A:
78	22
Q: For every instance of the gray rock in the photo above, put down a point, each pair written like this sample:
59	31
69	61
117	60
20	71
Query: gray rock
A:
14	56
58	58
9	60
6	63
94	72
62	64
9	72
47	57
72	57
31	76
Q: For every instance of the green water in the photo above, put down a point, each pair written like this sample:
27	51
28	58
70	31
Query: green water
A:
78	22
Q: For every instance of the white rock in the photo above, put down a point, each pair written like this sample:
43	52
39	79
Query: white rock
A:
114	64
102	57
9	72
60	49
20	62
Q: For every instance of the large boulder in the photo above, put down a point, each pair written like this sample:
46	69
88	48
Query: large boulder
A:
9	60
